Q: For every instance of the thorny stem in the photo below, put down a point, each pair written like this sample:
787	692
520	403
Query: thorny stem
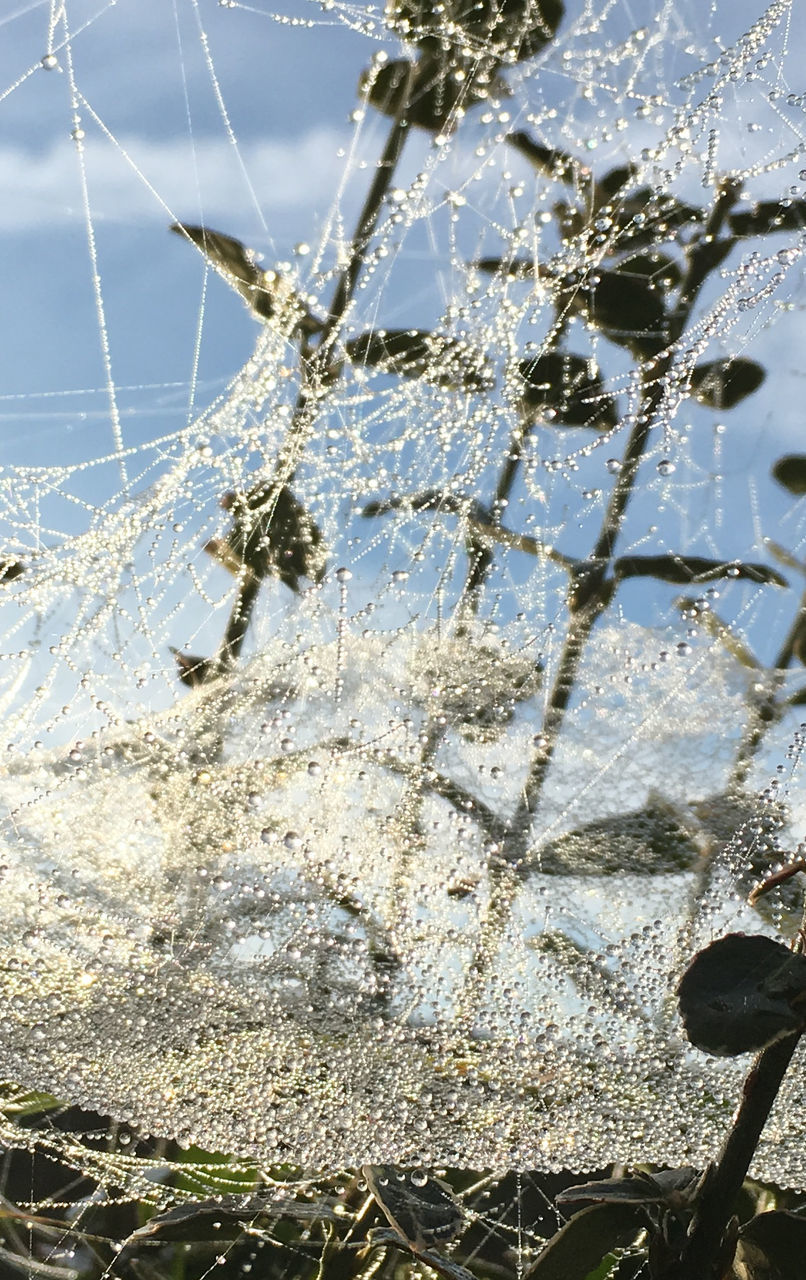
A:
716	1201
317	371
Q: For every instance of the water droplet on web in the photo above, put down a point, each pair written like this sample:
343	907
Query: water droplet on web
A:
50	62
665	467
613	465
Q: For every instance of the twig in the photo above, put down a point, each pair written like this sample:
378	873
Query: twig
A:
716	1201
318	370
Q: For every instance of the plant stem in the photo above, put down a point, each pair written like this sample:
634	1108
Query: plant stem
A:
718	1196
596	595
765	708
590	599
317	371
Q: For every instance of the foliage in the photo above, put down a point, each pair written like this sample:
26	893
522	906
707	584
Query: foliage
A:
653	256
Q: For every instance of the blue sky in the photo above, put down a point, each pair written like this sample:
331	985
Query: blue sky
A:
258	151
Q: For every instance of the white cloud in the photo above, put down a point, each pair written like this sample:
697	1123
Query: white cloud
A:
171	178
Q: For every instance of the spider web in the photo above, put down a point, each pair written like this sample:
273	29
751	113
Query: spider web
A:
287	912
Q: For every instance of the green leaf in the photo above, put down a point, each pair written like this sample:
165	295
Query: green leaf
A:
418	353
564	390
668	1187
721	384
769	215
790	471
684	569
741	994
579	1246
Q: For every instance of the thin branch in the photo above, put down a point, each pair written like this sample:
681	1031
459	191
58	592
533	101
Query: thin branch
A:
596	591
318	370
716	1202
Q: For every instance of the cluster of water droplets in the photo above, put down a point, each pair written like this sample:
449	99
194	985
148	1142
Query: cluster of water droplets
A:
286	912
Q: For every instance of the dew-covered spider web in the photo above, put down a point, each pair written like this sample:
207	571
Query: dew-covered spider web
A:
402	664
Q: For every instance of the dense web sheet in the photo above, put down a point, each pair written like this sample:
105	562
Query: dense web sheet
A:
339	878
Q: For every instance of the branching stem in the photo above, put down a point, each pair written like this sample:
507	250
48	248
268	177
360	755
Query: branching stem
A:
319	370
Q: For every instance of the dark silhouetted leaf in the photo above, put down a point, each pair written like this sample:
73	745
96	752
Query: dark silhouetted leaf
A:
684	569
508	30
10	569
772	1246
437	98
429	500
565	390
647	217
272	534
799	640
648	841
721	384
556	164
193	670
663	272
511	268
672	1188
769	215
637	218
578	1247
614	181
416	353
421	1208
706	255
790	471
266	293
741	994
224	1217
626	308
719	629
